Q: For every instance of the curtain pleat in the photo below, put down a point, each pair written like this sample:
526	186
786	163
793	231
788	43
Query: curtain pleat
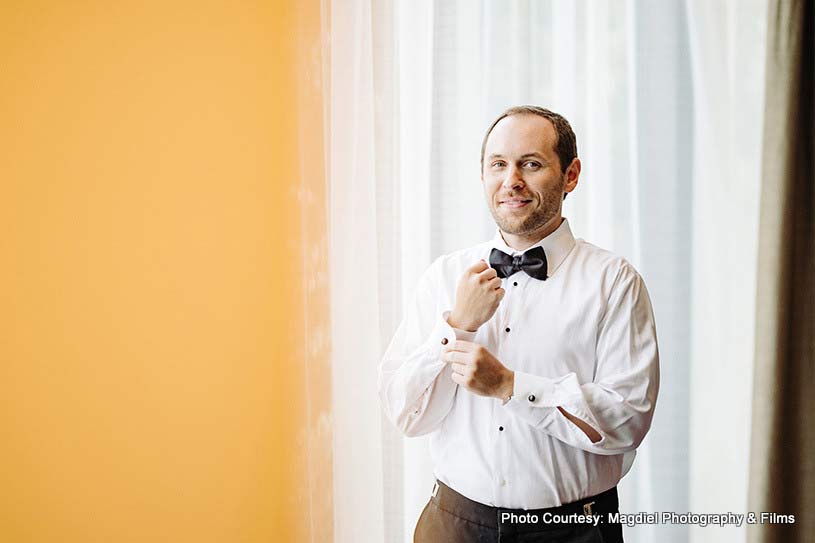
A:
782	467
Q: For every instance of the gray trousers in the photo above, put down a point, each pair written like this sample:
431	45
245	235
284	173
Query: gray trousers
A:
450	517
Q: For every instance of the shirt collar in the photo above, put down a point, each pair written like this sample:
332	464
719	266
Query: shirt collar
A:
556	245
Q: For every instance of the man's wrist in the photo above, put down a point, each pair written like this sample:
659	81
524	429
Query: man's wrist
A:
507	389
455	322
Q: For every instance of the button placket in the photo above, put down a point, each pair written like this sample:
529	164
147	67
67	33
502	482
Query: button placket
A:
499	450
505	312
507	319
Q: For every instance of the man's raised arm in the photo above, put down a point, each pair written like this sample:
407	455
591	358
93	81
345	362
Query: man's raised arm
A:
415	385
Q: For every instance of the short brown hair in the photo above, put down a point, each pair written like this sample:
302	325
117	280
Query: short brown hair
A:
566	144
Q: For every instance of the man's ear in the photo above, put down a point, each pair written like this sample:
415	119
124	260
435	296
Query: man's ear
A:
572	175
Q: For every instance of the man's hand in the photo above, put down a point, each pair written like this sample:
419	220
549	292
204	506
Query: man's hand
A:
477	297
477	370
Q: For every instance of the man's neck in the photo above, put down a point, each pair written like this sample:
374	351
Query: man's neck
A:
522	242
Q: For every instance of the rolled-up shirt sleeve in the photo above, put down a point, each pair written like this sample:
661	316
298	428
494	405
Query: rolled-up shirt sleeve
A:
619	402
415	385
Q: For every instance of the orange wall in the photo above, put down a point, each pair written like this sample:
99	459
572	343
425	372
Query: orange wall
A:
155	220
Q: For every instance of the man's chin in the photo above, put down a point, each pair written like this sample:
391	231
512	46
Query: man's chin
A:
515	224
514	229
520	227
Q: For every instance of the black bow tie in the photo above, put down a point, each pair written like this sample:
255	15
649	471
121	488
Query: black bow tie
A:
533	262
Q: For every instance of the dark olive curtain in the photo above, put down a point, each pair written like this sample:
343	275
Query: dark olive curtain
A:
782	462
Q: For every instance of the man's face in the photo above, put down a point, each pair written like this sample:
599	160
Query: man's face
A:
523	183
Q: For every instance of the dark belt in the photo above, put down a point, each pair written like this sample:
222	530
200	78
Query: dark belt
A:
494	517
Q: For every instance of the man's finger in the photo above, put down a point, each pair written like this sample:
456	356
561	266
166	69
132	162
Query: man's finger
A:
459	368
451	356
488	273
462	346
478	267
460	379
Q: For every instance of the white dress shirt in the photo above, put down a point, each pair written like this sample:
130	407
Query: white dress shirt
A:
584	340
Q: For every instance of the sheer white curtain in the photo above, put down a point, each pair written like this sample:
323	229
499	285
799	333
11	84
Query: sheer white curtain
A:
728	51
413	87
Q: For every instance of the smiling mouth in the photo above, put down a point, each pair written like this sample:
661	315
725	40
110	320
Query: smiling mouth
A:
514	203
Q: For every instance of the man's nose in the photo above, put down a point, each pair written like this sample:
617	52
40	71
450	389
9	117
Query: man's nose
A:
513	178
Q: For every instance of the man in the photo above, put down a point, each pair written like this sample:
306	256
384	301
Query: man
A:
531	359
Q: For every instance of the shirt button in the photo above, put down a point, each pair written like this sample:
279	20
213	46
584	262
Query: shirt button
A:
531	398
444	341
500	428
507	329
503	482
515	284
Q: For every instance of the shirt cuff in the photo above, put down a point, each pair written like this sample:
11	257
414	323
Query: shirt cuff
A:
463	335
442	335
534	390
529	395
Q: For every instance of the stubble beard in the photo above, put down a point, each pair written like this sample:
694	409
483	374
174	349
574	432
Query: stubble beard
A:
540	216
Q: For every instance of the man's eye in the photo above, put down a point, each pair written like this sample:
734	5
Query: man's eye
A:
532	164
498	164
